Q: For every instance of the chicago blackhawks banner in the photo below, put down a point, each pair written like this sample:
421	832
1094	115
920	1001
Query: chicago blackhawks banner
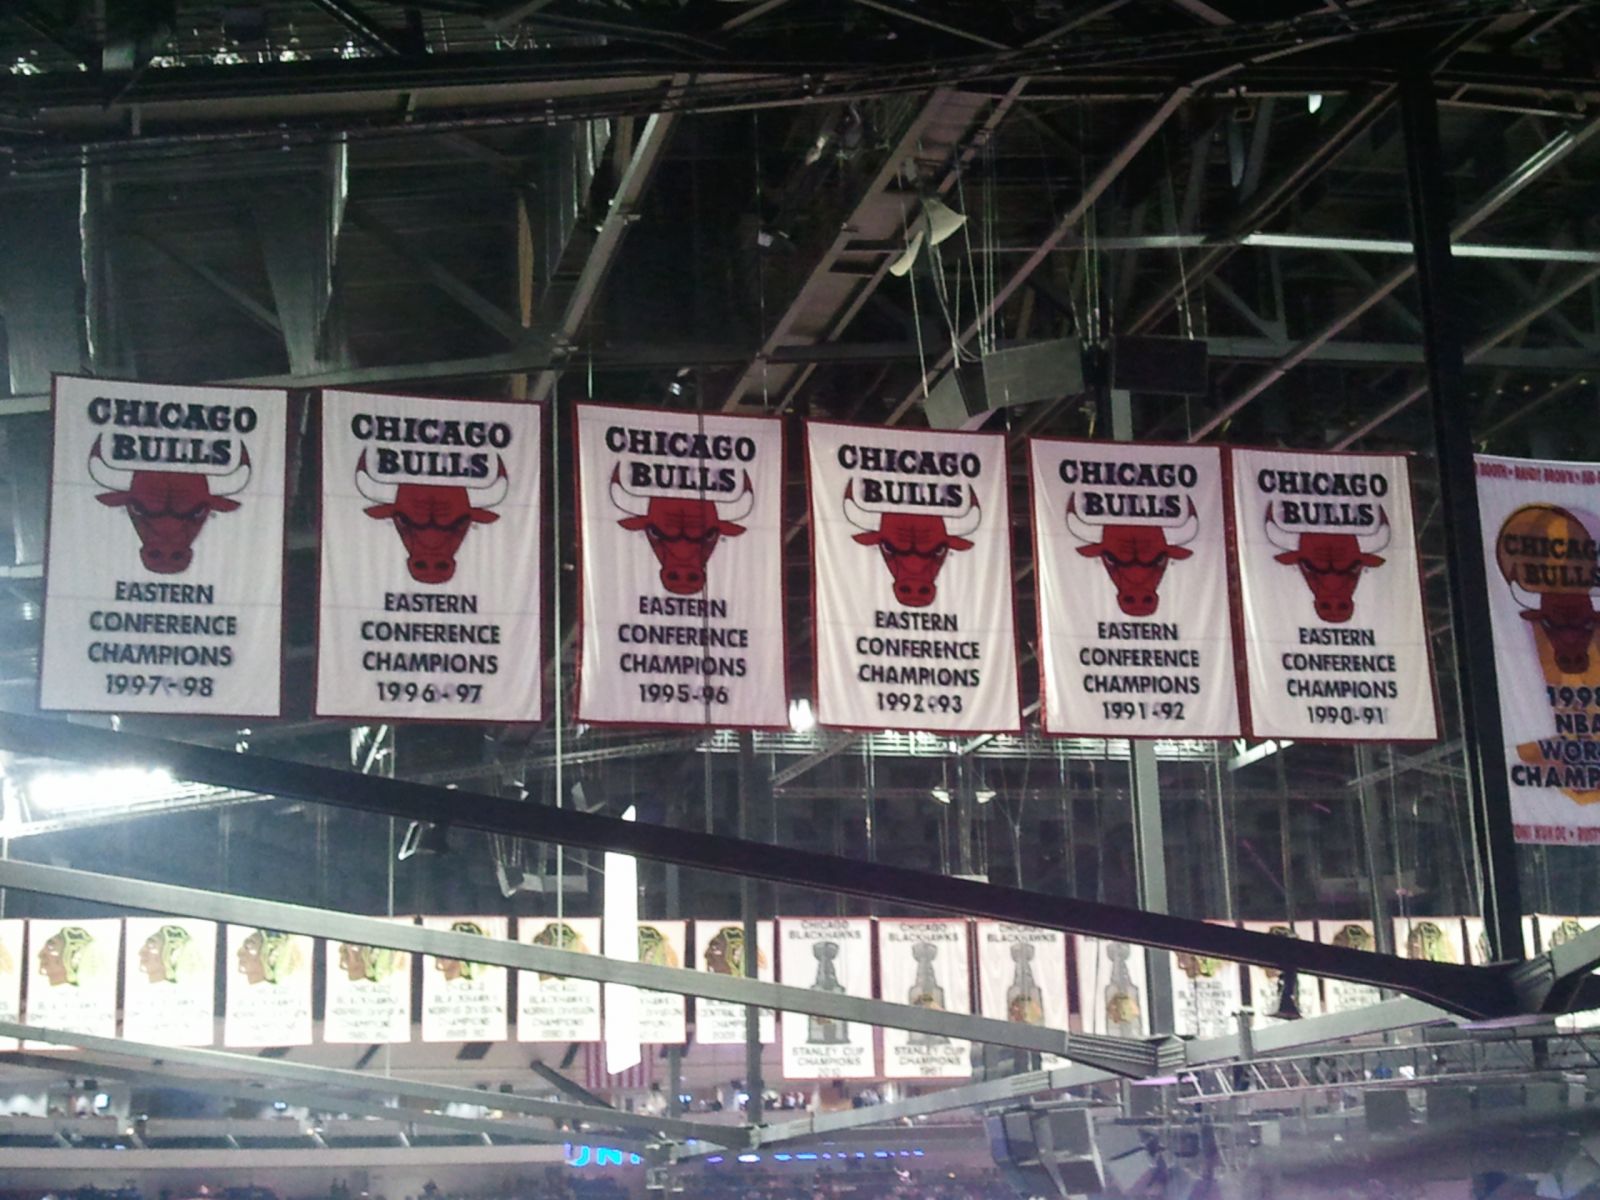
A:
268	997
429	606
1111	983
169	981
1336	647
464	1001
1557	931
12	966
911	579
1266	983
1207	993
553	1008
1136	632
720	949
368	996
681	516
73	985
1435	939
1477	936
924	963
164	574
1540	522
1022	974
826	954
662	1014
1340	995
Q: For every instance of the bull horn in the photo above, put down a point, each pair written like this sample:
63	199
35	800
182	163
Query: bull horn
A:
634	506
1084	531
493	493
854	513
236	480
111	478
370	488
738	510
1277	535
1371	543
969	519
1185	530
1523	596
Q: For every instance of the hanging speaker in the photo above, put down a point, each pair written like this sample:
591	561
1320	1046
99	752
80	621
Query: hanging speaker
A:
901	266
942	220
1165	366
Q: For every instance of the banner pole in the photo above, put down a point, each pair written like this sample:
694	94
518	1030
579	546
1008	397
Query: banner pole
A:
1490	799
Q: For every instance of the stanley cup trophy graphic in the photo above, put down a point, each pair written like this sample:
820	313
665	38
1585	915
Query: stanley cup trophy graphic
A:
926	992
1122	994
826	1031
1024	1000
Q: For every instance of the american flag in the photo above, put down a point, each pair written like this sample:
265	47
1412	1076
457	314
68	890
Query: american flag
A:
634	1079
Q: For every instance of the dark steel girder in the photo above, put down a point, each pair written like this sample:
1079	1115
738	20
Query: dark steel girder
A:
1474	991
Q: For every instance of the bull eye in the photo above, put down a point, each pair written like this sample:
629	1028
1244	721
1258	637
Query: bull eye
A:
194	514
401	518
654	534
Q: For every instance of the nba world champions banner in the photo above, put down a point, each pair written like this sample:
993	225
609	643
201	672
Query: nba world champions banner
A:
268	998
169	981
1336	647
826	954
431	550
720	949
681	521
164	572
464	1001
1136	631
1540	522
911	578
924	963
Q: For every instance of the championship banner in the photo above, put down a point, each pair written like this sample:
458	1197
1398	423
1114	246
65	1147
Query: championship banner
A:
1207	994
663	1015
1111	982
430	567
1557	931
1432	939
924	963
368	998
911	580
1478	940
1340	995
1540	521
719	948
1022	974
464	1001
1336	647
826	954
1135	623
73	985
1266	983
164	574
681	524
169	981
552	1008
12	965
268	997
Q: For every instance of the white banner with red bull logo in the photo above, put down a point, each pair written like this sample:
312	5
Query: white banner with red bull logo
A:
169	981
553	1008
464	1001
681	521
73	981
924	963
1540	524
1336	645
268	998
912	585
1135	622
164	572
720	949
826	954
431	552
368	997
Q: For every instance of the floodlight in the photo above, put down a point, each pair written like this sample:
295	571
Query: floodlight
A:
801	718
984	795
105	787
942	795
943	221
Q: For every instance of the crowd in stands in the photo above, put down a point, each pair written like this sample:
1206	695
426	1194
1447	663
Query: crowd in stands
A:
871	1183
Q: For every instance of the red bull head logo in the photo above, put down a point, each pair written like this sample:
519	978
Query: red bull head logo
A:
1134	556
167	508
683	532
1330	563
914	545
431	518
1552	548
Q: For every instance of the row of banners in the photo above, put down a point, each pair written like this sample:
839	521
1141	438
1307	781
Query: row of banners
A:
1001	971
1183	591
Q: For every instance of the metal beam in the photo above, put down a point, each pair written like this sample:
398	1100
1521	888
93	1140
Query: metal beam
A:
916	18
246	303
357	21
1473	990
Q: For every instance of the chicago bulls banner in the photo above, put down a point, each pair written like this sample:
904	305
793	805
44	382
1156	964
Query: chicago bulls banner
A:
169	981
1336	646
924	963
368	998
464	1001
268	997
826	954
430	581
164	572
1266	983
73	981
12	967
911	571
1540	524
1121	532
553	1008
662	1015
681	521
720	949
